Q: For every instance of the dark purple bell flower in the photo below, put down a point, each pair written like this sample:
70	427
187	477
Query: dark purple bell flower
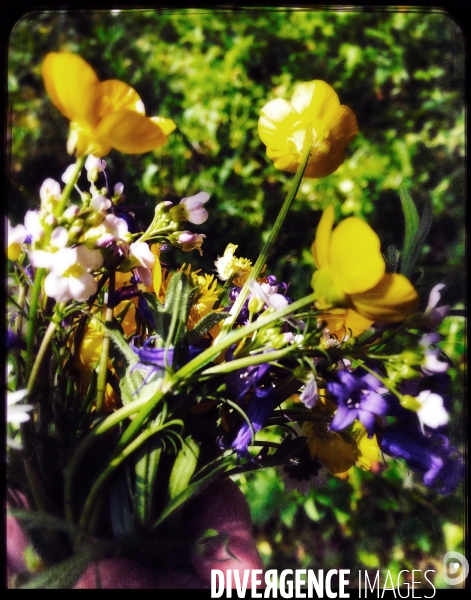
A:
261	405
358	396
440	463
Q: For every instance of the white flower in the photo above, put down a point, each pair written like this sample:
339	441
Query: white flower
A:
16	414
433	314
101	204
266	292
140	252
431	363
111	229
50	189
34	227
432	412
15	237
67	174
194	211
70	276
119	188
93	163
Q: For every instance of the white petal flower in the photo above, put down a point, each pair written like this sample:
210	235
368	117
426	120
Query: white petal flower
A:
67	174
16	413
50	189
195	213
101	204
93	163
70	276
34	227
15	237
432	412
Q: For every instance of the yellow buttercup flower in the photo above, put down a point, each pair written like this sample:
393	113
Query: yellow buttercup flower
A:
344	322
314	106
352	272
103	114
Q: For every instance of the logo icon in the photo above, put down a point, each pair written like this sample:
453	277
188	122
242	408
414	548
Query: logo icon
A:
455	568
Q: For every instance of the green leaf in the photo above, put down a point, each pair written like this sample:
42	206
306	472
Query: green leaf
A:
205	325
416	231
183	467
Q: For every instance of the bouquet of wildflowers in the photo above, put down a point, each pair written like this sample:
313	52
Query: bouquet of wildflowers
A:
133	387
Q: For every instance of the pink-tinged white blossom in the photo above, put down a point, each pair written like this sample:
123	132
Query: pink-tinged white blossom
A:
191	241
267	293
71	212
118	188
432	412
50	189
15	237
59	237
140	252
431	363
70	277
101	204
95	164
111	229
433	314
34	227
194	211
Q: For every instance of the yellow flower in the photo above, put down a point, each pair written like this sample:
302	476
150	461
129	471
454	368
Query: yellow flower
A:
314	106
329	447
205	298
366	450
228	265
352	272
103	114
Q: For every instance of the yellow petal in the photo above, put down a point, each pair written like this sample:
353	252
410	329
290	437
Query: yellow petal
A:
130	132
313	99
320	246
166	125
276	122
355	256
391	301
72	85
343	126
116	95
345	321
284	160
83	141
325	164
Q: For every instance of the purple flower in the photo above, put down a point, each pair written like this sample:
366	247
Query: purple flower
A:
358	397
440	463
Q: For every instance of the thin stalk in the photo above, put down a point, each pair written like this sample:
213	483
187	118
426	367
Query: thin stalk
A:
272	238
69	186
103	368
33	318
40	355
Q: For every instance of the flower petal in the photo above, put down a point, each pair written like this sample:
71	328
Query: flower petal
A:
343	126
117	95
166	125
320	246
314	100
277	119
391	300
130	132
325	164
355	256
73	86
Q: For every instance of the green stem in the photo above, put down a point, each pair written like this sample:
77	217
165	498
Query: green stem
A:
40	355
69	186
272	238
33	319
103	368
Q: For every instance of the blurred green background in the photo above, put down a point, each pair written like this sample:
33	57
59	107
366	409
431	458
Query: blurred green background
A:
211	71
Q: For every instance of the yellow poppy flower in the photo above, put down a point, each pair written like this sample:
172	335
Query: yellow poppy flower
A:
314	106
352	272
103	114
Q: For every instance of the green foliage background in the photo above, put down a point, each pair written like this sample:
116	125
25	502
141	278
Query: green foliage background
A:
402	73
